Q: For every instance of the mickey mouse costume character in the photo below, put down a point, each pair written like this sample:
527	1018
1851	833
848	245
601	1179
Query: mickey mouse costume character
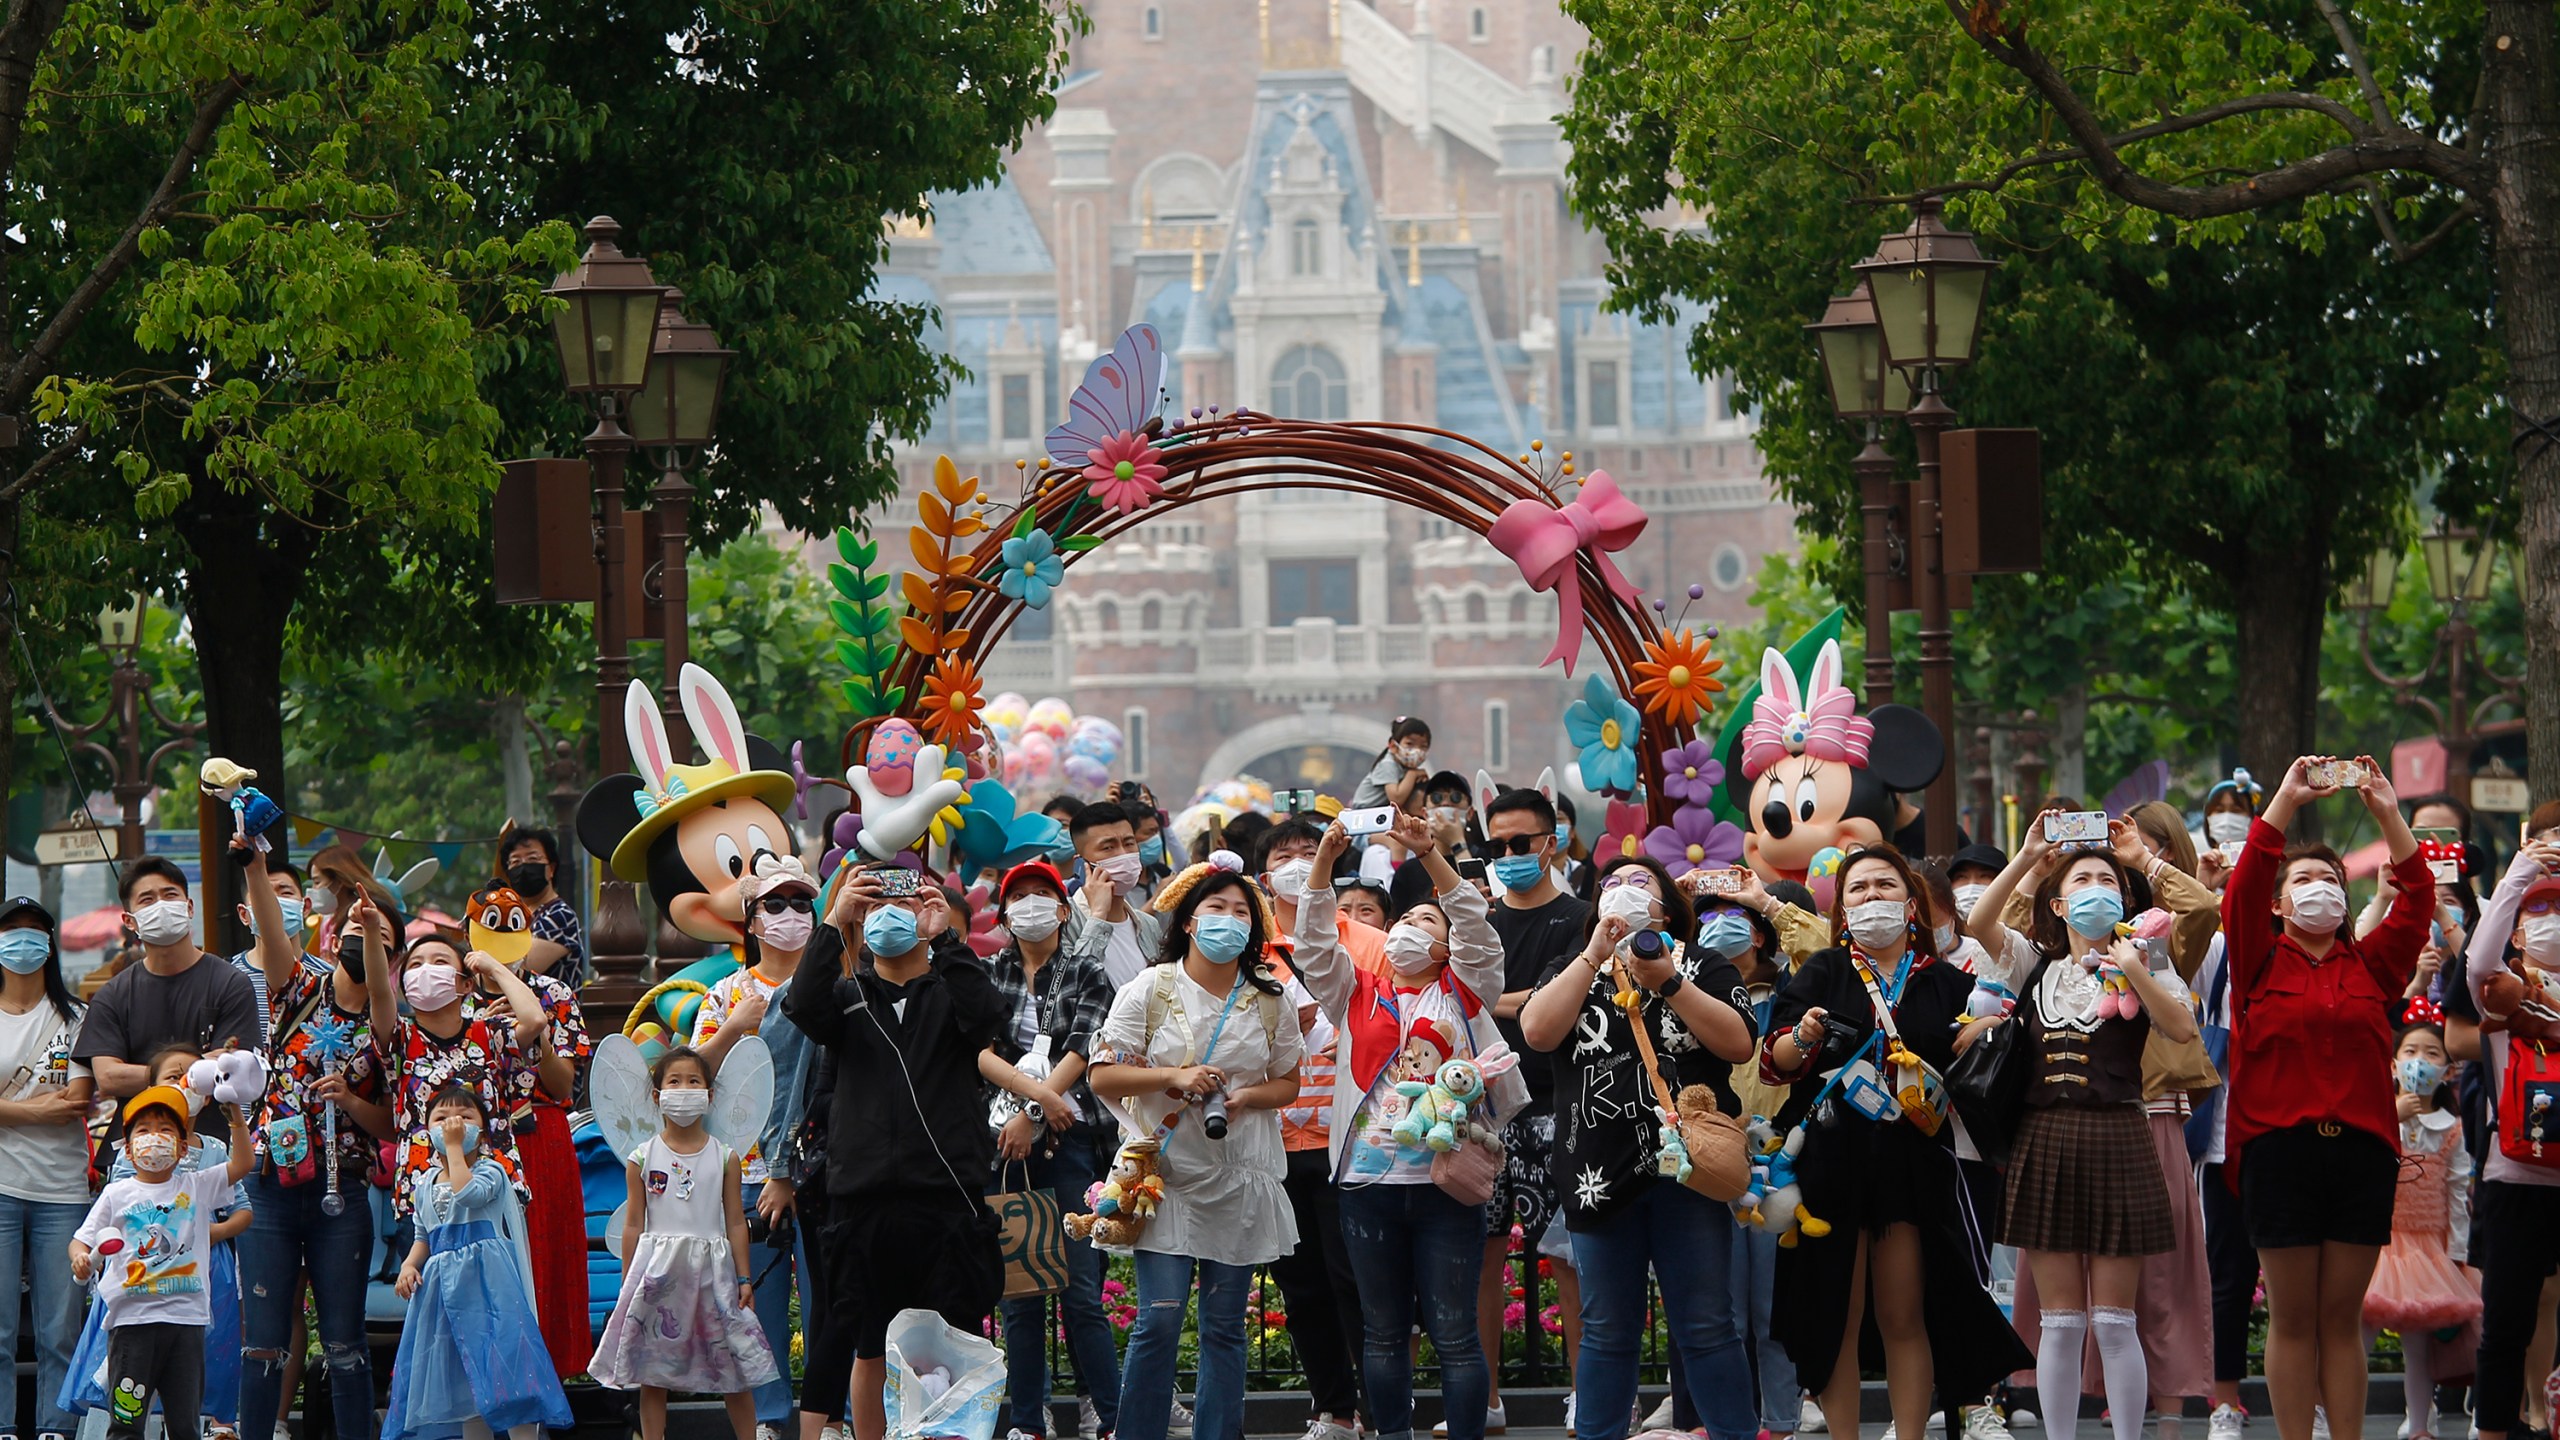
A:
1808	773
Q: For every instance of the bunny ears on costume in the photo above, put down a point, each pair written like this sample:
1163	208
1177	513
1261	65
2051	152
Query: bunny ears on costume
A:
1821	720
624	814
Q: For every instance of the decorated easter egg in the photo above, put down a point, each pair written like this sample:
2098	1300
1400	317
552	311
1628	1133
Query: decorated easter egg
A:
1822	876
891	756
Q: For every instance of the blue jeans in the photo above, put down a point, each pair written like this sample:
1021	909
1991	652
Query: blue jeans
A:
1155	1348
289	1236
776	1404
35	1246
1417	1251
1755	1273
1687	1239
1065	1175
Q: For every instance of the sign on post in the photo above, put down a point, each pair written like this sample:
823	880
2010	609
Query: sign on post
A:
76	845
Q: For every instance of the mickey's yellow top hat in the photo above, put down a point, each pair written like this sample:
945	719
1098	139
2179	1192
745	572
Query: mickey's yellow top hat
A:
669	792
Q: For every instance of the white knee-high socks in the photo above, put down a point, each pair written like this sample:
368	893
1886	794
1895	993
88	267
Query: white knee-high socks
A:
2128	1375
2058	1371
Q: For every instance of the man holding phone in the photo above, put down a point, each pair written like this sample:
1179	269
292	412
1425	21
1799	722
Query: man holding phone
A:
1106	840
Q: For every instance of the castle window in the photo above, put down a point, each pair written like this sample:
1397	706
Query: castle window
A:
1309	384
1306	248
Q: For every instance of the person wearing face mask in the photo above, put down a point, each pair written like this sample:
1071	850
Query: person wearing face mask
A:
1626	1218
178	995
1203	1053
1289	876
1418	1248
1055	1001
443	1041
2235	801
2421	1288
529	861
2087	1194
2518	1203
1112	898
781	919
894	996
1879	1168
326	1087
1400	768
2311	1132
288	923
44	1157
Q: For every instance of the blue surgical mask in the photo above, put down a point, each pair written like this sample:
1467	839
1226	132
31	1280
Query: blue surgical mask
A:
2094	912
2420	1075
1221	937
23	951
1152	851
292	919
470	1138
1519	872
1724	934
889	932
1564	832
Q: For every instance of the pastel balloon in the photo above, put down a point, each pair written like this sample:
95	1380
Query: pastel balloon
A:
1086	773
1050	716
1822	876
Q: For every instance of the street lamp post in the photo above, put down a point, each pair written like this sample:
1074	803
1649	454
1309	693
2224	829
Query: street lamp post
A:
1928	284
674	416
1866	389
128	698
2459	568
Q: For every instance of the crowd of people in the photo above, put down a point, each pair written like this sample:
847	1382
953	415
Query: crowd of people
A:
2165	1067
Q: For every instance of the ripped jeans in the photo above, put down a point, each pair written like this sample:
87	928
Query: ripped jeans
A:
289	1237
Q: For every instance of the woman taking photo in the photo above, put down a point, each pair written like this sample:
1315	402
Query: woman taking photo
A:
1418	1250
1202	1052
44	1158
2313	1131
1902	1251
1625	1216
2087	1198
439	1043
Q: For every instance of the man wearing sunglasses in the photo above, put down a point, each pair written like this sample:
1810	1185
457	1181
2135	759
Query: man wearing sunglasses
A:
780	899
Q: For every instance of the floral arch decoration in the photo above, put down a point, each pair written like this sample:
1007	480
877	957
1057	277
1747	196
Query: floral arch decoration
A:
917	759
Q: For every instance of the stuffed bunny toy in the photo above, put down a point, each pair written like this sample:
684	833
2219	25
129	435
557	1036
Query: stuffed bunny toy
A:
1440	1115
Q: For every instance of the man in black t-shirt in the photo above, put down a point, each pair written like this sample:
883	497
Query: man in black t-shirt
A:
1540	926
176	994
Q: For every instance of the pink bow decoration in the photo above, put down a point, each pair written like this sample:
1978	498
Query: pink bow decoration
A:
1827	726
1545	543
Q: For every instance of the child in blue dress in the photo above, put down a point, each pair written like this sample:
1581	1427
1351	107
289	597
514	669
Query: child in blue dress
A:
471	1357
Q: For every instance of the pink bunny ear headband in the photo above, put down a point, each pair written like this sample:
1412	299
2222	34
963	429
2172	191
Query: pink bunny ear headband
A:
1821	720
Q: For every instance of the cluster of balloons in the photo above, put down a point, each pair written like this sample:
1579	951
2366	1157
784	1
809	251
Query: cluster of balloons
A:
1048	746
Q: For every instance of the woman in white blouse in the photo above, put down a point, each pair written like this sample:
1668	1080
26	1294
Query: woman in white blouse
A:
1201	1052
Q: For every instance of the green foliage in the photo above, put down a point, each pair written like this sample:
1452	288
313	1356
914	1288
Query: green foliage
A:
870	643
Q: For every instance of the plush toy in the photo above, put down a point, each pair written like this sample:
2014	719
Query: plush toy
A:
1809	773
1671	1161
2524	1003
1782	1211
234	1077
252	813
1989	998
1441	1115
1762	1138
1123	1201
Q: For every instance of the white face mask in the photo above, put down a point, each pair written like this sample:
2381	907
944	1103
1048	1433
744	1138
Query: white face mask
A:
163	922
2225	826
1409	949
1945	935
1967	896
2539	937
1880	925
1033	917
1289	878
684	1107
1629	904
2319	907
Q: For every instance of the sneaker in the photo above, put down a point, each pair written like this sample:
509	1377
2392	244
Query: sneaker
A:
283	1431
768	1432
1088	1420
1982	1422
2319	1422
1659	1418
2225	1422
2021	1418
1008	1435
1178	1424
834	1432
1811	1421
1496	1422
1325	1427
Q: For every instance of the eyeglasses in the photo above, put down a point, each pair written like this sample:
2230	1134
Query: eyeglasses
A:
1638	878
2541	905
783	904
1497	847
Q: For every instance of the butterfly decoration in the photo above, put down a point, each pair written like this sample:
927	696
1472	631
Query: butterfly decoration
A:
1105	436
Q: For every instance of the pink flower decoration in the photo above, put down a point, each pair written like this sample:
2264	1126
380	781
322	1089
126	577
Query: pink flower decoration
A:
1694	840
1692	773
1622	833
1124	474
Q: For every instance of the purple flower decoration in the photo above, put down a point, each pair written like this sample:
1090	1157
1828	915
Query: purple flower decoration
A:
1692	773
1694	840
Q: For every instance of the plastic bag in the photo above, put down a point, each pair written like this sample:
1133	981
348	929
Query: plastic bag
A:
942	1382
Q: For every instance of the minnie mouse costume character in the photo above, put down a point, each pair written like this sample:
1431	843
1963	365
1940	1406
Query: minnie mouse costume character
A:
1808	773
692	832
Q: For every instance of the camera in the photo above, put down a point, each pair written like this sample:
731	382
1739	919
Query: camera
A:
1213	1116
761	1231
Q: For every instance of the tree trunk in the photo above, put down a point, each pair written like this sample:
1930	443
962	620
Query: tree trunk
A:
2281	598
515	758
9	702
2523	105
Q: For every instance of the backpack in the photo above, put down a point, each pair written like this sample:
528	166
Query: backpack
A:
2529	1104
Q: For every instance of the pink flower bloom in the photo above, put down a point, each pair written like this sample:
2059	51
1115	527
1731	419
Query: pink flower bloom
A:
1125	473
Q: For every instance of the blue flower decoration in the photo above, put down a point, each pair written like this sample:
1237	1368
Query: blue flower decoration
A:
1032	568
1606	728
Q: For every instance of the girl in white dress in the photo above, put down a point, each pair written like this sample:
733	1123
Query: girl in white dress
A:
1203	1051
685	1319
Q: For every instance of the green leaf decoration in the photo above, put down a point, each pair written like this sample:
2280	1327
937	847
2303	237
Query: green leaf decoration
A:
1080	542
1022	524
865	621
860	553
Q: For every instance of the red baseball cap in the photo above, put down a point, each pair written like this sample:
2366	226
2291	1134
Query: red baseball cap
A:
1029	870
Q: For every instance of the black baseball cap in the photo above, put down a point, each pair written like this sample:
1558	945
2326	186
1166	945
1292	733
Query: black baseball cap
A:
1986	856
17	905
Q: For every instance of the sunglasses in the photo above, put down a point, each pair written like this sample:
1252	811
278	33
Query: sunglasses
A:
2541	905
1495	849
783	904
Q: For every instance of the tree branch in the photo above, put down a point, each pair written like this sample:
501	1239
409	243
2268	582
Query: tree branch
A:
2356	62
2175	124
2402	250
23	37
37	468
119	257
2368	153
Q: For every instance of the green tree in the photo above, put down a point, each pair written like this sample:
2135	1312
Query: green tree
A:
2231	422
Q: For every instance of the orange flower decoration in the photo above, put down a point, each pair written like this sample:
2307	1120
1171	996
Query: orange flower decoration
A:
1676	677
951	700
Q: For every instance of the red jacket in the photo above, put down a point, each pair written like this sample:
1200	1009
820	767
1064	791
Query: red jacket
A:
2311	1040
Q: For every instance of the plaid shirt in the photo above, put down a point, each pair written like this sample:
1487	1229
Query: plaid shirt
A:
1071	998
